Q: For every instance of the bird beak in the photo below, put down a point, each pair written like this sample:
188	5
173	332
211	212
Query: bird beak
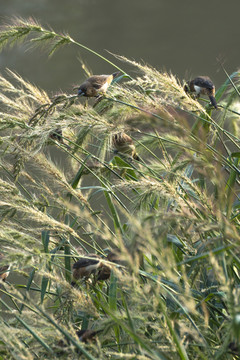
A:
80	93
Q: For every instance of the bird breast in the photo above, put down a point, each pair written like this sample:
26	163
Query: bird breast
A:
198	89
104	87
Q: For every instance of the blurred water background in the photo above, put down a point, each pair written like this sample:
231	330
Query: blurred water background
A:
185	37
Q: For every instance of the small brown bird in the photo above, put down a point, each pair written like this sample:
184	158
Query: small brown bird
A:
105	270
56	134
86	266
4	270
124	144
87	335
202	85
96	85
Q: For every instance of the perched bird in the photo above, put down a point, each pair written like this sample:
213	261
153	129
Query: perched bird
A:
4	270
202	85
87	335
124	144
104	273
234	348
86	266
105	270
96	85
56	134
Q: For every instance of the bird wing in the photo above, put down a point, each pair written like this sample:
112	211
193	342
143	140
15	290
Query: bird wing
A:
3	269
81	263
204	82
99	81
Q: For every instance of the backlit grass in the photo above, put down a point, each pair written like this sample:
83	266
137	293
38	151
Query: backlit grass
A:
173	216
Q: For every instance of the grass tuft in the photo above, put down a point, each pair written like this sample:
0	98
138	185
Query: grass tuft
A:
171	217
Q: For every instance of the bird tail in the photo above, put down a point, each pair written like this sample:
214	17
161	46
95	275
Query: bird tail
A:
213	101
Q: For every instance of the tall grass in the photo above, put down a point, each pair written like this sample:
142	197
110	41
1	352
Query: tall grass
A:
173	216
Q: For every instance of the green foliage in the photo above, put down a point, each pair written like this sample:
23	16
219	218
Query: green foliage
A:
172	216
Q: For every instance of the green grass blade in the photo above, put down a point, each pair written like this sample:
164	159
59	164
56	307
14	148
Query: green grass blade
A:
179	346
230	195
45	240
112	295
67	260
132	334
220	92
66	334
28	286
31	331
44	286
115	217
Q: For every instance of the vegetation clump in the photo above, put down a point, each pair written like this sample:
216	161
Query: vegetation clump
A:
139	185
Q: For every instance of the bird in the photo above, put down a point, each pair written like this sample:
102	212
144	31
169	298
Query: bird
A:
124	144
96	85
57	134
202	85
85	266
87	335
105	270
234	348
4	270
